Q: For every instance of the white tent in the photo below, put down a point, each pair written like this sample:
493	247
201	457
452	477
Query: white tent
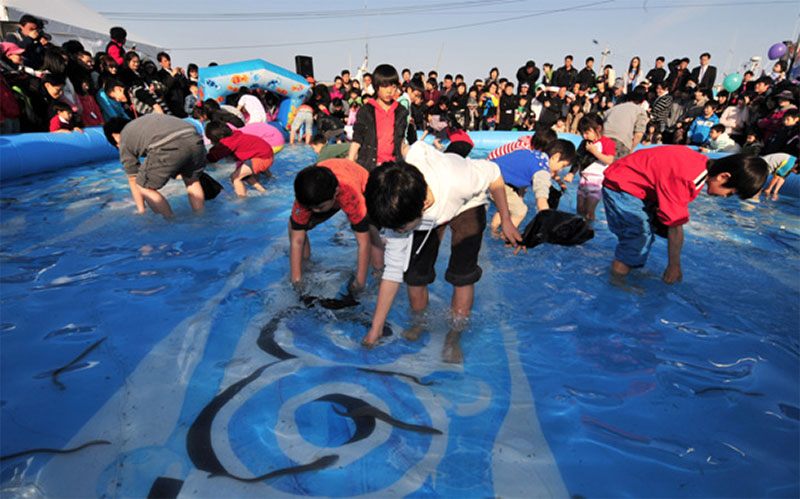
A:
72	20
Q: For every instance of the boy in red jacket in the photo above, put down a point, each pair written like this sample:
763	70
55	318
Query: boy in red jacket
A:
652	188
243	147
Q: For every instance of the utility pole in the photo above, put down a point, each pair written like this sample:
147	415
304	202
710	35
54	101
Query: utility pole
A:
606	52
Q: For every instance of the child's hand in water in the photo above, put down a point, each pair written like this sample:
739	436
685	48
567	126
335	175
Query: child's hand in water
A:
371	339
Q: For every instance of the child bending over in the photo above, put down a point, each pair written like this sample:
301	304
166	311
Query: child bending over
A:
243	147
652	188
522	168
416	200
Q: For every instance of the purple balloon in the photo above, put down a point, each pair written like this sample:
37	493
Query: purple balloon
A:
777	51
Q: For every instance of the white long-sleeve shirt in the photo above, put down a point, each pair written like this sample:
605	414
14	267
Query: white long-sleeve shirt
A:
457	184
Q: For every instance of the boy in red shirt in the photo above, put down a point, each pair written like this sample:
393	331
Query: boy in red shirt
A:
320	192
654	187
243	147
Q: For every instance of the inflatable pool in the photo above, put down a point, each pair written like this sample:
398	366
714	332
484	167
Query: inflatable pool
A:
169	357
218	81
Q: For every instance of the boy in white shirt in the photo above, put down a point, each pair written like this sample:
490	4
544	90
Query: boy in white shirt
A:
416	200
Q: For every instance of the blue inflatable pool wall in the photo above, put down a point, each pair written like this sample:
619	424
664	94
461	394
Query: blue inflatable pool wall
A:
218	81
32	153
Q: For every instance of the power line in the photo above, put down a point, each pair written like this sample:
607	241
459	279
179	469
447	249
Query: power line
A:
404	33
383	11
285	16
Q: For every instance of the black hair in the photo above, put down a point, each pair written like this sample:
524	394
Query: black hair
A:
638	95
718	128
590	122
459	75
212	64
385	75
112	126
590	58
723	93
765	79
118	34
162	55
129	56
72	47
53	61
416	84
345	72
493	70
509	84
395	194
564	148
502	80
199	113
59	106
660	58
315	185
211	105
748	72
791	113
191	67
448	77
543	137
569	56
27	18
711	103
706	54
111	84
405	70
433	82
748	173
217	130
54	80
318	139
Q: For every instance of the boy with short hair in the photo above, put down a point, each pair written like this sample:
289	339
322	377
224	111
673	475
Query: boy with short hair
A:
110	98
508	104
416	200
525	167
243	147
701	126
320	192
328	151
719	141
171	147
655	186
190	102
61	122
380	125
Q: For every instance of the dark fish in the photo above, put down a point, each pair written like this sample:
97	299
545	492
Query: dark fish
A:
711	389
395	373
376	413
556	227
198	438
54	451
77	359
329	303
318	464
266	338
364	425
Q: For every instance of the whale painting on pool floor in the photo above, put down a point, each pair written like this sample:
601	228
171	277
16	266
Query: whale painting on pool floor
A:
173	359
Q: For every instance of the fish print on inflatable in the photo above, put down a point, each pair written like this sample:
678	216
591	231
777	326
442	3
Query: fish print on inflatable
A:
219	81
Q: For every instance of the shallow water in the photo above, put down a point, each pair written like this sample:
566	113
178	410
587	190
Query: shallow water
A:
570	385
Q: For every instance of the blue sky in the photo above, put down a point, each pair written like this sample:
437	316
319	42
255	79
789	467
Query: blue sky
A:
471	36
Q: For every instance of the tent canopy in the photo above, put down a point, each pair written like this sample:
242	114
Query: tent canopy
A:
72	20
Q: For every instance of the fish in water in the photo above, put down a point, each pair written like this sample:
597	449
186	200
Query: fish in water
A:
77	359
556	227
317	464
374	412
55	451
395	373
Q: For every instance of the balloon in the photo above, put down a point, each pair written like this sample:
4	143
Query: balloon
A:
732	82
777	51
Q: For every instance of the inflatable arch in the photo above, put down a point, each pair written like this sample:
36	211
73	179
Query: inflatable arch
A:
218	81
